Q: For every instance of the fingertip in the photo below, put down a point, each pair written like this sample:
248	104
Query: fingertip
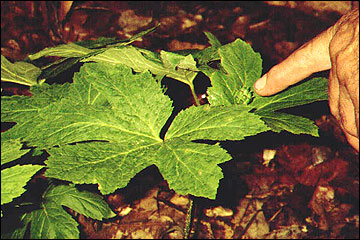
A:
259	85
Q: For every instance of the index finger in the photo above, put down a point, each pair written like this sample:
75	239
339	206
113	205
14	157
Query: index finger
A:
310	58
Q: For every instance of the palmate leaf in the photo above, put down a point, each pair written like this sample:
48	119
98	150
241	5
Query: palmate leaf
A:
119	115
175	154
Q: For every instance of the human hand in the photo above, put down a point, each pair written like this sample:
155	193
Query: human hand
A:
337	49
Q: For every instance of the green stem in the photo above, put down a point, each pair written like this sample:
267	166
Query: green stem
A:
188	219
197	102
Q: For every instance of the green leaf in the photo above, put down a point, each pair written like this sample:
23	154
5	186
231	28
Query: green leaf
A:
315	89
125	112
216	123
110	165
103	41
130	57
213	40
207	55
295	124
13	180
243	68
310	91
51	221
84	202
20	229
81	49
10	150
113	165
83	114
204	56
19	72
105	127
57	67
182	68
177	66
63	50
73	53
26	111
191	168
98	43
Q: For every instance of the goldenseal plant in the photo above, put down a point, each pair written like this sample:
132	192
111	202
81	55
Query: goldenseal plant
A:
104	127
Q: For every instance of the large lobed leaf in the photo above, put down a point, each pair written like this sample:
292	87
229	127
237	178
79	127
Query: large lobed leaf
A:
105	126
115	118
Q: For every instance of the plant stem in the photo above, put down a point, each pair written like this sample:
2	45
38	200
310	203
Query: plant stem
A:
197	102
188	218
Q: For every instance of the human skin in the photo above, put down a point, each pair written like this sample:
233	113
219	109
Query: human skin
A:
337	49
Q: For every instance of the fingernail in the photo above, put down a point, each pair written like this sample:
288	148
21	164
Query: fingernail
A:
260	83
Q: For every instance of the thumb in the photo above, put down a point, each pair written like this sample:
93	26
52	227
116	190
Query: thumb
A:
310	58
